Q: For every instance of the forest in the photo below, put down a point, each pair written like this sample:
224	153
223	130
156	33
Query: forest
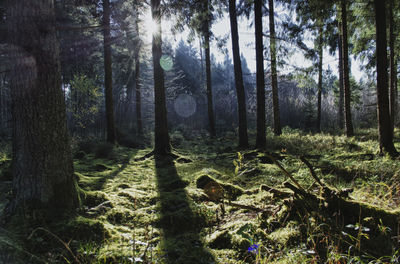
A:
199	131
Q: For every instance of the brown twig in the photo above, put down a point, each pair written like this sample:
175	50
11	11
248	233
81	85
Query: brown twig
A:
312	171
285	171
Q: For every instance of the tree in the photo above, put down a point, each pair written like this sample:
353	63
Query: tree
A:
43	173
261	137
206	32
161	137
384	122
108	73
341	90
346	78
320	47
138	84
274	76
392	65
241	97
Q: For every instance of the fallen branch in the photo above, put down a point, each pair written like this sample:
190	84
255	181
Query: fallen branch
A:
275	192
285	171
248	207
312	171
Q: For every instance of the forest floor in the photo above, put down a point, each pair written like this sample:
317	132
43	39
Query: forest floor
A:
140	209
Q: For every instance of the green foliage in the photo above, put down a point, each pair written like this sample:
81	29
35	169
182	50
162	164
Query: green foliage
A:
129	212
84	100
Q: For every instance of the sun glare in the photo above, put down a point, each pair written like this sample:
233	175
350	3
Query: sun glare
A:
149	27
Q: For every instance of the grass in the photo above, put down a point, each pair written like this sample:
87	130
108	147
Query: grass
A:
151	211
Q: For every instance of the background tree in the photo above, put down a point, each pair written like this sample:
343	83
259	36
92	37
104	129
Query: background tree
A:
384	122
274	75
161	136
241	97
261	137
108	72
42	163
392	64
345	64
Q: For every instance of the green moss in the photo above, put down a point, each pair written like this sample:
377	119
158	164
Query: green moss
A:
230	191
85	229
120	216
285	235
101	167
94	198
220	240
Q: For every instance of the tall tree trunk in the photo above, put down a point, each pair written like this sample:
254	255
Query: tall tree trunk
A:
274	75
43	173
393	69
210	107
320	58
162	144
261	137
138	85
346	78
241	98
341	91
384	122
108	73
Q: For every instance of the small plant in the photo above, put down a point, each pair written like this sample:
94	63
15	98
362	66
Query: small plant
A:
238	163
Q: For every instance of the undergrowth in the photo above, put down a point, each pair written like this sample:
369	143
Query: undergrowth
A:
151	210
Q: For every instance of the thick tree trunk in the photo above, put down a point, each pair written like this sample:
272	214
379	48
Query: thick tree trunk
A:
261	137
320	58
210	107
346	78
393	69
108	73
274	75
43	173
341	91
241	98
161	137
384	122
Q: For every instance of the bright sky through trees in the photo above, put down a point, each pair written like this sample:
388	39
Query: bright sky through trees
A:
221	29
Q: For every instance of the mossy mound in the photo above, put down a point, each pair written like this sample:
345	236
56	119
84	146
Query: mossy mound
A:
287	235
120	216
220	240
213	188
85	229
101	167
94	198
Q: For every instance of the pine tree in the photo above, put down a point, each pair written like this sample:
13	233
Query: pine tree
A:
43	173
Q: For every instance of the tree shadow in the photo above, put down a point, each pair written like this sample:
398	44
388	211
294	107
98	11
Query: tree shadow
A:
179	223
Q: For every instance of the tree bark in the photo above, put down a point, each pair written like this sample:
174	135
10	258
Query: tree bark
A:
384	122
241	98
108	73
261	137
320	60
162	144
138	85
274	75
393	69
43	173
210	107
346	78
341	90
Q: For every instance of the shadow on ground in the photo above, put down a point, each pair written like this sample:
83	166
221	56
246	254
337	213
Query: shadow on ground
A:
179	223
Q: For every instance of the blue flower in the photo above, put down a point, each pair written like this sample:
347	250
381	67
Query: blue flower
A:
253	248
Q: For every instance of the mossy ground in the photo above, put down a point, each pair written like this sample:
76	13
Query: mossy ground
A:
151	211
